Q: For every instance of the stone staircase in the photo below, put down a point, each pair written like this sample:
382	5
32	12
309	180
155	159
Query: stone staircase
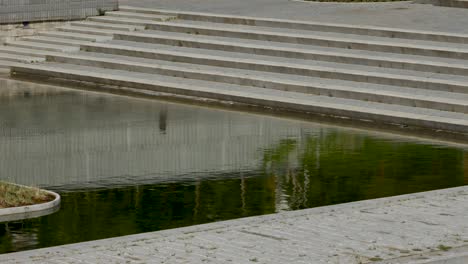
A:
386	75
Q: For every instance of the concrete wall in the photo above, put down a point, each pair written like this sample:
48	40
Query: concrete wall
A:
18	11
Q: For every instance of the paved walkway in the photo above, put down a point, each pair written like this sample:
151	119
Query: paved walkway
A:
390	14
417	228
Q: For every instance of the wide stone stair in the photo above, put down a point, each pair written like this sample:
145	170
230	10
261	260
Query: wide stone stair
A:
385	75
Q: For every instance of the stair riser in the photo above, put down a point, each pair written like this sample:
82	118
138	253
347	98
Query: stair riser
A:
329	28
278	69
252	81
136	16
138	25
53	41
35	60
34	47
103	26
32	53
90	39
90	31
309	26
399	49
275	104
296	55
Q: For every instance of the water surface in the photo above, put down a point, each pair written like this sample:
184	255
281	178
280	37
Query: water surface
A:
126	166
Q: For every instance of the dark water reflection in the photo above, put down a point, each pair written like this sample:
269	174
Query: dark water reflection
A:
126	166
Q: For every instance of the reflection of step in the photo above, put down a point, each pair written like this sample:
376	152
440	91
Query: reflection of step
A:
252	95
408	77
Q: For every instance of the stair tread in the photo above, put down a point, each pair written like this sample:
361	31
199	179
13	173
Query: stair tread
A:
352	86
133	14
5	56
63	34
289	21
307	49
122	20
55	40
331	36
330	66
89	23
309	33
5	64
45	46
260	93
90	30
26	51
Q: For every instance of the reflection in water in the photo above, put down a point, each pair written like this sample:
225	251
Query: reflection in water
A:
163	120
126	166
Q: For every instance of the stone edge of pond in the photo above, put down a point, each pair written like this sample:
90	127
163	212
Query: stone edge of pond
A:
78	250
31	211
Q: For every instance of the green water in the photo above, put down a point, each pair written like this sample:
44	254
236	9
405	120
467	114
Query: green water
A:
125	166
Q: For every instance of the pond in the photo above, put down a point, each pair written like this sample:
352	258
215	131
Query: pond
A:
125	165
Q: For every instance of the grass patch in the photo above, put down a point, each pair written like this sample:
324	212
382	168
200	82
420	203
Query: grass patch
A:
444	248
13	195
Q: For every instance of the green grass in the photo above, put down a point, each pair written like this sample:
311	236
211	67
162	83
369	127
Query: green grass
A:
13	195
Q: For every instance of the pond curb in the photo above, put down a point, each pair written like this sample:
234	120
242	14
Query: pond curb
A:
31	211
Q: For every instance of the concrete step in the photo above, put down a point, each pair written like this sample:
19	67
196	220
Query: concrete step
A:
6	64
32	52
113	20
42	46
56	41
347	41
6	56
140	16
75	36
344	41
450	83
89	23
89	31
305	52
383	113
352	90
306	25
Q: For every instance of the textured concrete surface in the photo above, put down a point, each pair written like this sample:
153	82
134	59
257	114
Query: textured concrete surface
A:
428	227
405	15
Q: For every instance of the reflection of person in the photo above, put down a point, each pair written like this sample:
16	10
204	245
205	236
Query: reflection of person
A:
163	120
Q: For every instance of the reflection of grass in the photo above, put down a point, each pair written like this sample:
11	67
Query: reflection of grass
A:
14	195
